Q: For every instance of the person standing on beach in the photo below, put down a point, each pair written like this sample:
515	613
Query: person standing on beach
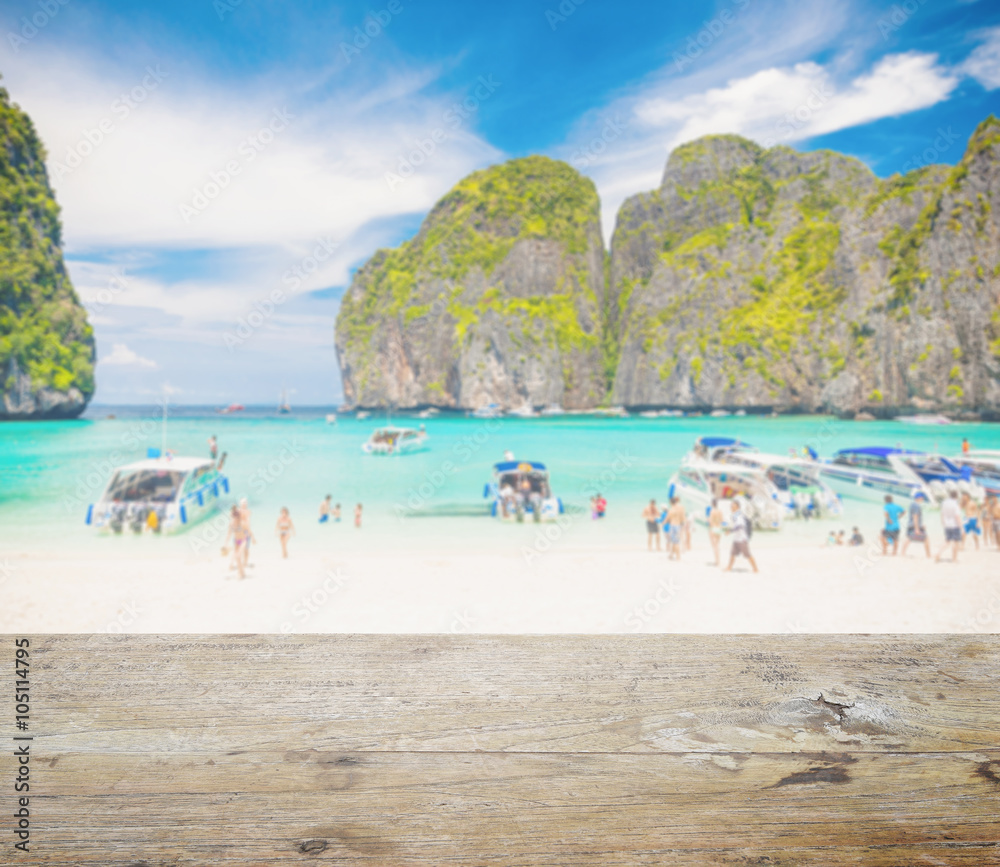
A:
971	510
285	529
651	514
915	529
357	516
238	536
248	533
966	448
213	447
890	533
951	520
675	518
336	514
324	509
995	518
715	529
741	538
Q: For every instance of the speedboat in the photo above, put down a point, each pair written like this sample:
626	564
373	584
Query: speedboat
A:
984	464
430	412
796	481
490	410
553	409
162	493
720	413
874	471
521	488
396	441
923	419
526	411
331	418
362	414
700	481
233	407
611	412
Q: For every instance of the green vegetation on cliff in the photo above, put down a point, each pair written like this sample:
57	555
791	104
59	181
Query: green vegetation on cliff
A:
42	325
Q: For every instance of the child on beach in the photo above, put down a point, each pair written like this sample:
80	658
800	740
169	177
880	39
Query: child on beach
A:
336	514
285	529
357	516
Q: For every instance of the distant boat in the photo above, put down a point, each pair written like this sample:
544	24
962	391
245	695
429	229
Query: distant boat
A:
430	412
553	409
612	412
526	411
720	413
283	406
362	414
396	441
923	419
233	407
491	410
331	418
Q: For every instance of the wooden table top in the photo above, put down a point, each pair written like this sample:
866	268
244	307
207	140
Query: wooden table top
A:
512	750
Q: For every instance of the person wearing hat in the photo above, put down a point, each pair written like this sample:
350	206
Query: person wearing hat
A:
916	531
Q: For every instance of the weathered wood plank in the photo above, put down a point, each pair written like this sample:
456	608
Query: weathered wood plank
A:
516	750
526	693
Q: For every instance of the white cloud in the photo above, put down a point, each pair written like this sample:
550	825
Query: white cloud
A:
122	356
322	173
984	62
773	105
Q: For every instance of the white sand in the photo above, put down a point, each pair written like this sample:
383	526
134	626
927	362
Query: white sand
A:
571	588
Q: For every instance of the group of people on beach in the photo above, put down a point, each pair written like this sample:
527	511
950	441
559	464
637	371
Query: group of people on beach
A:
673	522
329	512
962	518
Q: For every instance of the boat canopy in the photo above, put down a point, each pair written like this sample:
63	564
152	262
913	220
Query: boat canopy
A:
519	467
878	451
722	442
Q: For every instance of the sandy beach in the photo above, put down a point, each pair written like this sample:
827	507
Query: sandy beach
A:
571	588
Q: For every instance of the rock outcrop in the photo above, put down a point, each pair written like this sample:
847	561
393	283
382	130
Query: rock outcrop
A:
46	345
800	281
498	299
755	278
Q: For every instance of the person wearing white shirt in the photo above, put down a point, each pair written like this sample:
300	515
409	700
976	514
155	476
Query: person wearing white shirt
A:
741	538
951	520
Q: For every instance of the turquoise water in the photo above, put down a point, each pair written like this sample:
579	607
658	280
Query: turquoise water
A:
50	472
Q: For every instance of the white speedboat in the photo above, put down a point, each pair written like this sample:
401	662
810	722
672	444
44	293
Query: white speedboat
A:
363	414
984	465
526	411
490	410
720	413
331	418
430	412
923	419
162	494
396	441
699	481
796	481
521	488
553	409
611	412
872	472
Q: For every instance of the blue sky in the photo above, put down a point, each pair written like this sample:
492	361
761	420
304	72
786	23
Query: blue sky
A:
224	166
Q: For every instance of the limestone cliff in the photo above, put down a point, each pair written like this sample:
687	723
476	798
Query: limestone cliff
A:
46	345
498	299
756	278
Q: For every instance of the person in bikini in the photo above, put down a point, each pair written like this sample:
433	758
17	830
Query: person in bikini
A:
285	530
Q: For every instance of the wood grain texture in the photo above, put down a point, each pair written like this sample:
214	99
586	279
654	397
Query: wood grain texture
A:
515	750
